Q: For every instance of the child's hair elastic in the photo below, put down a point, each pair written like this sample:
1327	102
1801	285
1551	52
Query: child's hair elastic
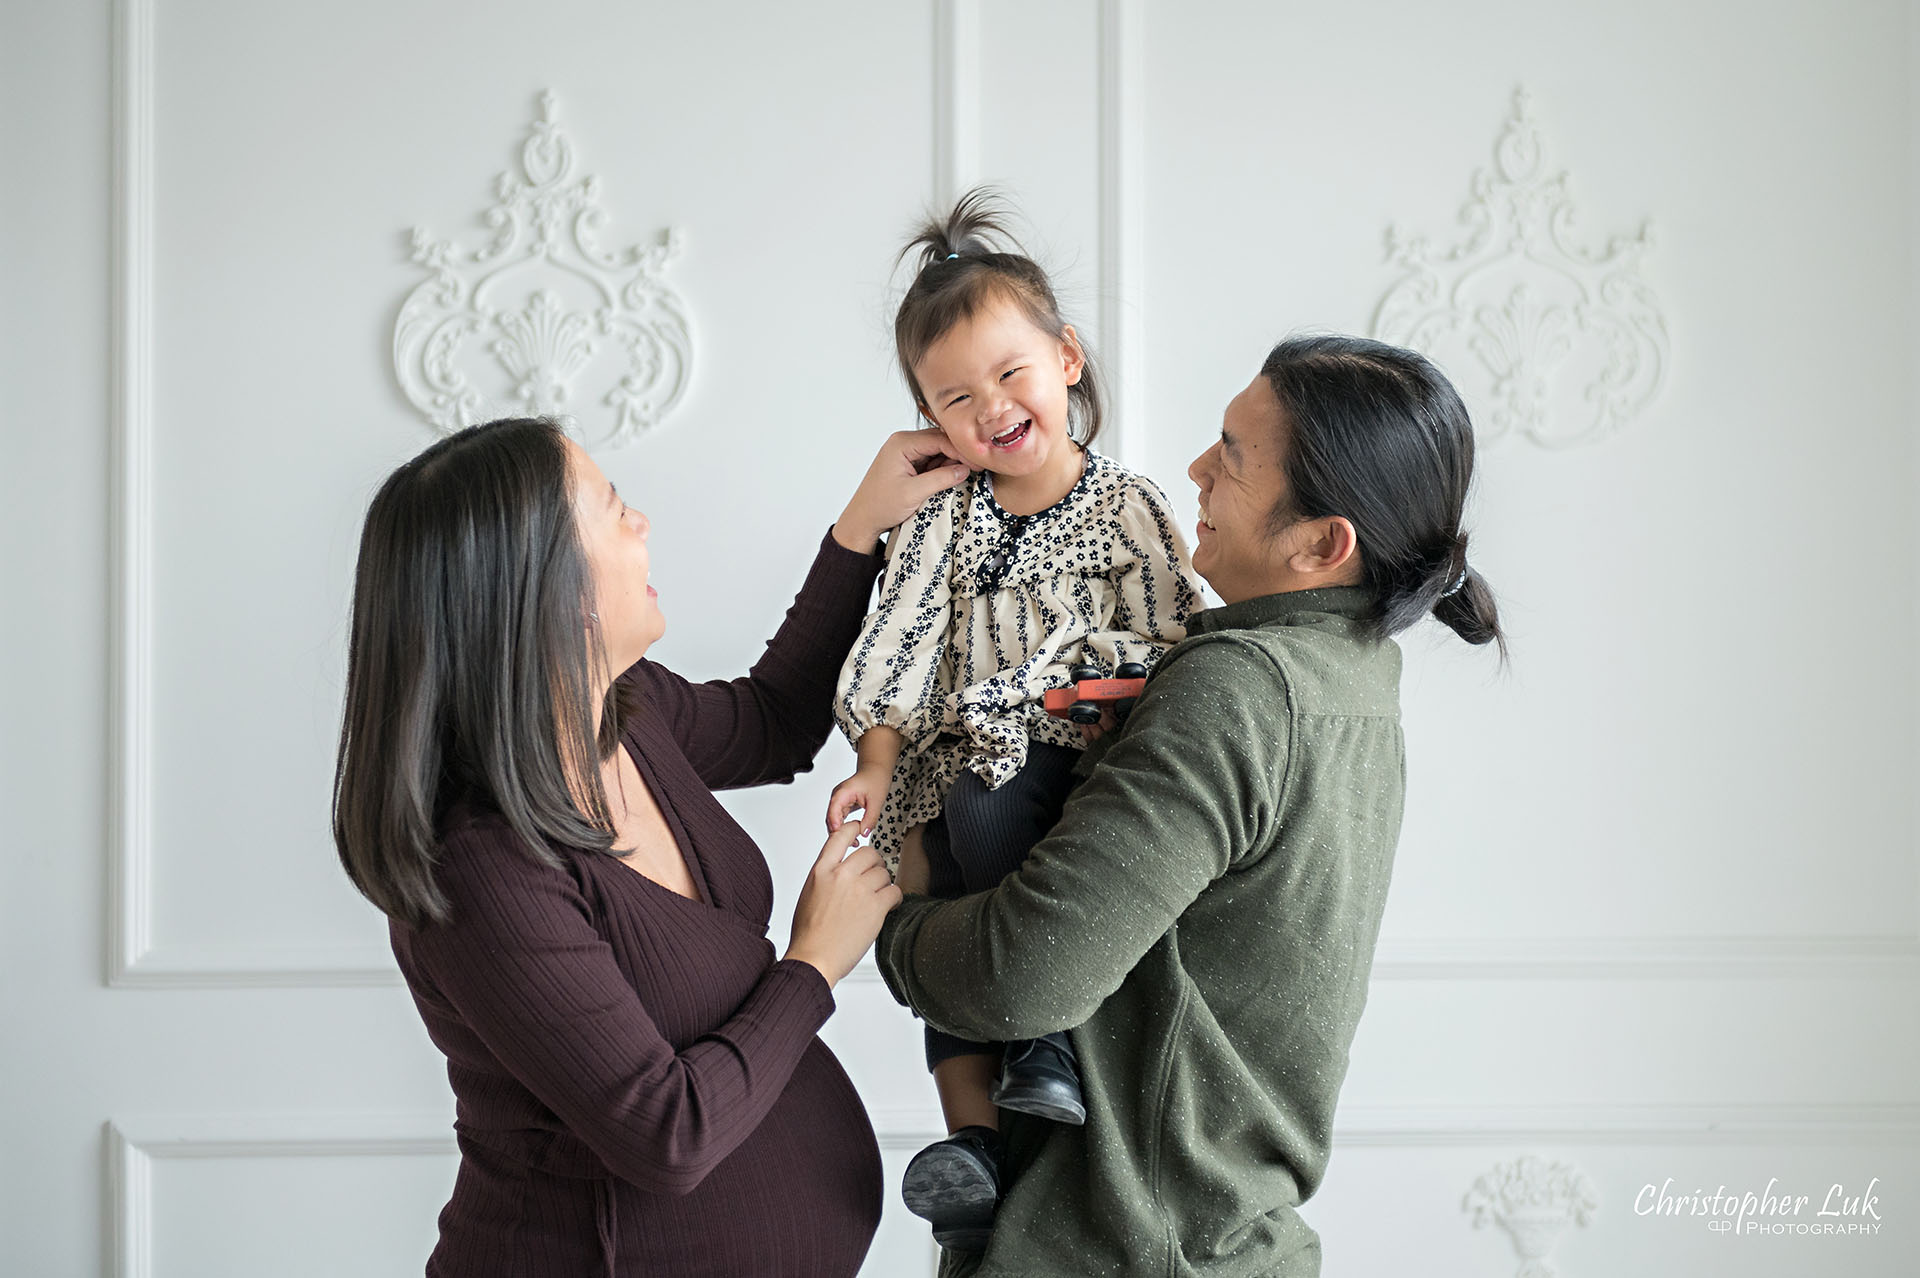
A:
951	256
1458	582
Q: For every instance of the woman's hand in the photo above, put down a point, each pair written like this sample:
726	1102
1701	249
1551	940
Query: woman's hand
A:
845	899
865	789
911	466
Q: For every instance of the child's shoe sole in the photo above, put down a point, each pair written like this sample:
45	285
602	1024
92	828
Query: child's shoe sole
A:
954	1186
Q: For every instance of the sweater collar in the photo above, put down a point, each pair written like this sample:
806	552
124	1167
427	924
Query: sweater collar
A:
1287	608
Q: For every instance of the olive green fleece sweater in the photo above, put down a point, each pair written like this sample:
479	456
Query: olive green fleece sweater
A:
1203	919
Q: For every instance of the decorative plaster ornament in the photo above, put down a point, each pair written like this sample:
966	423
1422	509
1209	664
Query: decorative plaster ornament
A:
1562	343
517	324
1535	1202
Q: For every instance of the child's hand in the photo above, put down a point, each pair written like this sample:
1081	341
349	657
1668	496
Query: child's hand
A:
865	789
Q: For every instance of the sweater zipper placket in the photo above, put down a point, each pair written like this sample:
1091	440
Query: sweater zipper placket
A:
1157	1124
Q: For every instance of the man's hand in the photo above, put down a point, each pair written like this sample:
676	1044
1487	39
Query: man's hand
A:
1092	732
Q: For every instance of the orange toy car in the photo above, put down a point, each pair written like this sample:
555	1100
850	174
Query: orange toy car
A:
1081	701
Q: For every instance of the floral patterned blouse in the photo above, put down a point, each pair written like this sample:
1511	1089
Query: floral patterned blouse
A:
982	611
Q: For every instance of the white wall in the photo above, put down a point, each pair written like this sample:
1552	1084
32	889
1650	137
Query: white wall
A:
1656	907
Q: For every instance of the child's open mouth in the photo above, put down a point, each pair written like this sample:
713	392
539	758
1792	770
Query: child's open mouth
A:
1011	438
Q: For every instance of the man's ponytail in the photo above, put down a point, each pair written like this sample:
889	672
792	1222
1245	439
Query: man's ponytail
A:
1377	434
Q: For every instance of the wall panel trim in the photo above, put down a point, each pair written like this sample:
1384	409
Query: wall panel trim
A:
130	794
133	959
135	1144
1627	958
956	99
1387	1126
1642	958
1122	250
1401	1126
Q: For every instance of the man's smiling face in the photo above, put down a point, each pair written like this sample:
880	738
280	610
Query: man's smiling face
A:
1242	477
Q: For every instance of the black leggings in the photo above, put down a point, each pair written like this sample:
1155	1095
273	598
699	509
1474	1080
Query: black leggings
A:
982	836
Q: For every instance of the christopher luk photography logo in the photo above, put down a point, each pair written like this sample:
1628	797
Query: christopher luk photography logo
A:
1833	1210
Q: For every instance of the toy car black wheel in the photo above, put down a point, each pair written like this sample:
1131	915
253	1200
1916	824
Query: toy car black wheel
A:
1083	672
1084	712
1130	670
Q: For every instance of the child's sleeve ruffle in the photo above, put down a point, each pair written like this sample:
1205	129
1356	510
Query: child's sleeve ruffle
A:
896	673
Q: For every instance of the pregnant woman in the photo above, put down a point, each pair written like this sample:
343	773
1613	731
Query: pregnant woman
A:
529	800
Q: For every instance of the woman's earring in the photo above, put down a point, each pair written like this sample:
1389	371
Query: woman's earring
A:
594	615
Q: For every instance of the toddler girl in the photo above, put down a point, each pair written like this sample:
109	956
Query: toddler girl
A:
1050	556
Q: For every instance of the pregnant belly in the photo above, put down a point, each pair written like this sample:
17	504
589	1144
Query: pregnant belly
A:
799	1198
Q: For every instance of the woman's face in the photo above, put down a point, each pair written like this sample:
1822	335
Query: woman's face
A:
614	537
1241	478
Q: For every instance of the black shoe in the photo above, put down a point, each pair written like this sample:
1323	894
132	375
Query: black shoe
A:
1042	1076
955	1184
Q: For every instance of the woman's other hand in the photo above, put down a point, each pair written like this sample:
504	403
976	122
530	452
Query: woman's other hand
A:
866	790
911	466
842	904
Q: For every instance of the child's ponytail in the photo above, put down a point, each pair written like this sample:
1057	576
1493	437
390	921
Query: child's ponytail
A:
964	260
972	228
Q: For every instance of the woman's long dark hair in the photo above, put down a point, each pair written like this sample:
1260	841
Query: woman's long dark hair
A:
470	670
1378	434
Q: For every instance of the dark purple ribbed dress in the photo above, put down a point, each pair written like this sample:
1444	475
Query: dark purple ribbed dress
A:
640	1089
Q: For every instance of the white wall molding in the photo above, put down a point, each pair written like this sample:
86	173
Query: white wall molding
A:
1462	959
1122	207
957	167
907	1128
1391	1126
130	786
1647	958
133	1145
1548	339
509	327
233	967
132	958
1400	1126
1535	1202
293	1134
956	99
1627	959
